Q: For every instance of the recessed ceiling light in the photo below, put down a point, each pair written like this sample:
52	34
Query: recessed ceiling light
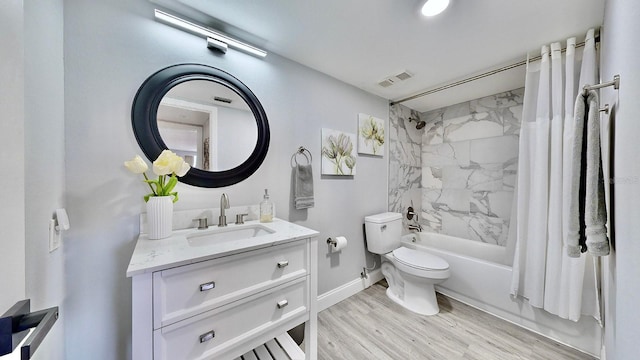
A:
434	7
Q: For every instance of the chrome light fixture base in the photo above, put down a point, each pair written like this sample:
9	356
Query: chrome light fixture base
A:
217	45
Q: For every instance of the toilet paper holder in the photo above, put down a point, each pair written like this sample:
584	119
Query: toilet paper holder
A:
337	243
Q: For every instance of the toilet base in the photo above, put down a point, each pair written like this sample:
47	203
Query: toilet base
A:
419	298
409	291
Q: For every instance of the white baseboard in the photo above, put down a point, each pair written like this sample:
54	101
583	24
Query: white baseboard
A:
351	288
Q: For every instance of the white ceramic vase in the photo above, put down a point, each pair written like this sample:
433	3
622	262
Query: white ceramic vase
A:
159	217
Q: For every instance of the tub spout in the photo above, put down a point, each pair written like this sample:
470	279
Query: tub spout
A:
416	227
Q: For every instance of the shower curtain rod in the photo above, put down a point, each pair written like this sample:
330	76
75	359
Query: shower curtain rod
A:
483	75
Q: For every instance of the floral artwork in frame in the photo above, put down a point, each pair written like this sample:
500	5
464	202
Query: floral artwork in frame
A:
338	153
370	135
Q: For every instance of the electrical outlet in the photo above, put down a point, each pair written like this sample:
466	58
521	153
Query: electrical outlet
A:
54	236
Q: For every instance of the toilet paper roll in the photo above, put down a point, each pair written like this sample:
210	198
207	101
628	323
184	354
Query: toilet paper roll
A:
340	243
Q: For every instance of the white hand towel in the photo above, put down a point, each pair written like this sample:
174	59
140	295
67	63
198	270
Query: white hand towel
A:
595	208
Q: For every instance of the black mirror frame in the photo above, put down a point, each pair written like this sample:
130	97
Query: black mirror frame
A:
145	126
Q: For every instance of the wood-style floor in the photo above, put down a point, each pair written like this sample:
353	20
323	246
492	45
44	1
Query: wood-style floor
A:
370	326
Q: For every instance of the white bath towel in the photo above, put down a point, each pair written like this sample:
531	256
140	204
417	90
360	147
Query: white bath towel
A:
595	208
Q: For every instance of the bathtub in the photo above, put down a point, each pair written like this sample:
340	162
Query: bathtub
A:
481	278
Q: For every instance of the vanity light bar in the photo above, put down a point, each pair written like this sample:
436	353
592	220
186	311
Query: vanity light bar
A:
207	33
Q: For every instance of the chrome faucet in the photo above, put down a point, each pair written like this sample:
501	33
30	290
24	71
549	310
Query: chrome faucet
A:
410	215
224	204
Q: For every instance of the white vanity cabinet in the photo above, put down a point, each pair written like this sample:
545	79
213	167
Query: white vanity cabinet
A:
226	299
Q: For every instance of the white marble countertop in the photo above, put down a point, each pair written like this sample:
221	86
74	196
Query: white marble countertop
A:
154	255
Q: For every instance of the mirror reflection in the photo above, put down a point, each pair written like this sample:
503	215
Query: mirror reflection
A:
208	124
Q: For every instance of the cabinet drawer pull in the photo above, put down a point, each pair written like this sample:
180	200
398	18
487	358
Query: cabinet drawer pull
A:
207	286
282	304
282	264
207	336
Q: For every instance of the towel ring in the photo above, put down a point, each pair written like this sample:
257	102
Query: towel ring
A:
301	151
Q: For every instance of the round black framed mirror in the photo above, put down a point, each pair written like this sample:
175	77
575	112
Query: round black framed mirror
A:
205	115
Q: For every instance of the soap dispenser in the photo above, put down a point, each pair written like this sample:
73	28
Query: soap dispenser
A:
266	208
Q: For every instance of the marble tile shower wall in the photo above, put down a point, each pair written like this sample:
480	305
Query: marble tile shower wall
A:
405	166
469	164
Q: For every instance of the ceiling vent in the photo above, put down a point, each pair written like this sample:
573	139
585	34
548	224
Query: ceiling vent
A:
391	80
386	83
404	76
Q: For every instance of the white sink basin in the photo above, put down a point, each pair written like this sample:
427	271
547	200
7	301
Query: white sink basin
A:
224	234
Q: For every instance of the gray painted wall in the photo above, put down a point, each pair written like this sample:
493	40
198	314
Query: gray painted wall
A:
32	133
619	55
45	165
110	49
12	281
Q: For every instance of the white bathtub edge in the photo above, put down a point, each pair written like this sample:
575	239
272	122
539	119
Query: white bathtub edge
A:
485	285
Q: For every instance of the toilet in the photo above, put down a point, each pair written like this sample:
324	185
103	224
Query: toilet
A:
411	273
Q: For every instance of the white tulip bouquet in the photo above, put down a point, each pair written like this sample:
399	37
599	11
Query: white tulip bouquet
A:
168	163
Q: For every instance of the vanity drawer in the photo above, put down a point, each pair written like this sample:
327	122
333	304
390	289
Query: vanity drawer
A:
208	335
185	291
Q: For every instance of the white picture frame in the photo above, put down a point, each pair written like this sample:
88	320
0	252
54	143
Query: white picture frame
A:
371	135
338	153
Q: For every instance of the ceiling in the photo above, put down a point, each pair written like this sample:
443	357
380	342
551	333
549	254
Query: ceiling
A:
363	42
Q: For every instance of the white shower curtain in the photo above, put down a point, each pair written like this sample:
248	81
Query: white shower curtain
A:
542	272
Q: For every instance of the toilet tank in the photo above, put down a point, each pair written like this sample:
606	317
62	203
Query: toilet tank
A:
383	232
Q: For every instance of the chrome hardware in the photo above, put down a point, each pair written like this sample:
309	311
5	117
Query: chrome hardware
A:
615	83
301	151
203	223
240	218
411	213
330	241
224	204
383	227
282	264
207	336
282	304
207	286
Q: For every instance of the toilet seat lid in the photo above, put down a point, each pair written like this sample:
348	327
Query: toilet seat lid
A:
419	259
